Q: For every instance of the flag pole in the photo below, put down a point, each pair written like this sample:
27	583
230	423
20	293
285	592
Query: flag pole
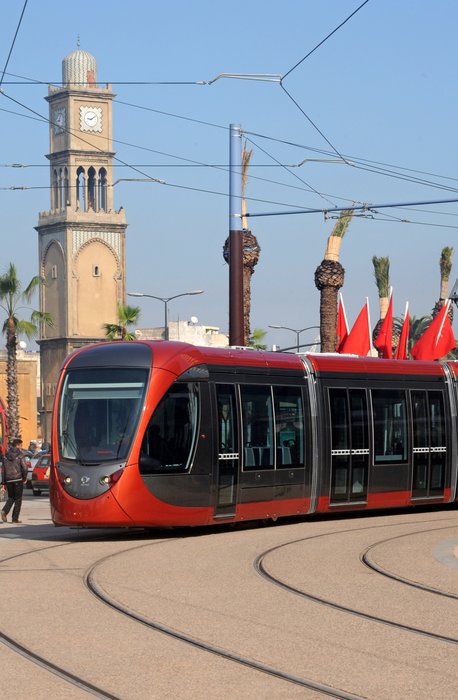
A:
371	347
446	304
406	310
343	309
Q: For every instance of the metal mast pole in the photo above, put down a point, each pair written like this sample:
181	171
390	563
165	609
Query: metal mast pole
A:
236	325
166	320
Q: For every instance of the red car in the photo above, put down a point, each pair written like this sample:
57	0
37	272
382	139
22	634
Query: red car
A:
40	475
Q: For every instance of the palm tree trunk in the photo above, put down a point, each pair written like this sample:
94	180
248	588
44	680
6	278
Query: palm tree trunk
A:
328	306
247	272
11	381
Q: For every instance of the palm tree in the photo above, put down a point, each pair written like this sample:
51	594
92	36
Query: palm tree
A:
251	250
382	280
329	278
417	328
255	340
445	266
127	316
12	296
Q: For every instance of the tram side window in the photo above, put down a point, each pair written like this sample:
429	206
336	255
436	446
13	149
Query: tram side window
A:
170	437
438	441
227	419
340	421
390	425
436	408
420	419
289	426
258	434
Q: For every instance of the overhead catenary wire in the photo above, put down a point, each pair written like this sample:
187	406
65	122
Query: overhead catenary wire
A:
296	65
363	207
13	42
311	189
209	191
353	161
175	185
184	187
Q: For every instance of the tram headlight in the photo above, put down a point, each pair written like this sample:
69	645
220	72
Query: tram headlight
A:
67	479
110	479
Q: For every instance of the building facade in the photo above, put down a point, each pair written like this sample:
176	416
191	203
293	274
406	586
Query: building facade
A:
28	372
81	238
187	332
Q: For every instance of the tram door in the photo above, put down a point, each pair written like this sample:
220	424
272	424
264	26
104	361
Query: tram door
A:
228	450
429	448
350	445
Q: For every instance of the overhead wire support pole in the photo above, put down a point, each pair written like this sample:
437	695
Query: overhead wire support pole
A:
359	207
236	325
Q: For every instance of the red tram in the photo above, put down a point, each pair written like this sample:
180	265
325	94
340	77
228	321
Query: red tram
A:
152	434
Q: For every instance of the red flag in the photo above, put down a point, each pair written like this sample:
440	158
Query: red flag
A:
358	340
438	338
401	350
384	340
342	325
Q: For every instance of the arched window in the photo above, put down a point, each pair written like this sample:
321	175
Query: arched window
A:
66	200
91	189
55	190
61	189
102	189
80	189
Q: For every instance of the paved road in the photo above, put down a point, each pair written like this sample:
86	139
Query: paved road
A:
360	607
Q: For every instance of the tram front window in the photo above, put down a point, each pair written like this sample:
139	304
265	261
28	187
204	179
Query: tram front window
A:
98	413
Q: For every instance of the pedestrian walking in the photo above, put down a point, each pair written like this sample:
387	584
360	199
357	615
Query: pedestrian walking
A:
14	476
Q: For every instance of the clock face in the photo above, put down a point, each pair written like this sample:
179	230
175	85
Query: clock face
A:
90	118
59	120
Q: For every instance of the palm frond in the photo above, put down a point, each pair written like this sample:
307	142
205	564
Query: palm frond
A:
43	317
382	275
112	331
27	328
445	262
31	287
342	223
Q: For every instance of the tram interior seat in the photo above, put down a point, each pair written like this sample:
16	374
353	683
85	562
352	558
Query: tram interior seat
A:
284	455
262	456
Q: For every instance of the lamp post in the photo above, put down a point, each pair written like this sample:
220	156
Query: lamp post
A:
294	330
165	301
454	293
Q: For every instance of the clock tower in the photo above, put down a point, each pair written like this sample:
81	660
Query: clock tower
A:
81	238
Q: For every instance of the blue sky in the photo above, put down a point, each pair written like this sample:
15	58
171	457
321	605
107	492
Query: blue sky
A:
382	89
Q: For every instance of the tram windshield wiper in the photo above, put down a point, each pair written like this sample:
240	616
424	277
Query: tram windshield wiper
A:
69	441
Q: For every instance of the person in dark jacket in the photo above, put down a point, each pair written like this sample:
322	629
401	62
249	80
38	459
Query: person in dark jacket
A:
14	476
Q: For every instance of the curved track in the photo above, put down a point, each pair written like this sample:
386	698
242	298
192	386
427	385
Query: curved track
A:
372	616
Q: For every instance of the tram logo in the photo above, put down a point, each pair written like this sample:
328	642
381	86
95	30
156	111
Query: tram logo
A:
85	480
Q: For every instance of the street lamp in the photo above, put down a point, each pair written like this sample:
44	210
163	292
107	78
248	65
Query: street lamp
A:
294	330
454	293
165	301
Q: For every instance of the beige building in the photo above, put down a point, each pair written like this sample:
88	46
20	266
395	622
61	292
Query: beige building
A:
28	372
187	332
81	237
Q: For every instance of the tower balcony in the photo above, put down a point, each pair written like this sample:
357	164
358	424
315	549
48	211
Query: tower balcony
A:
80	216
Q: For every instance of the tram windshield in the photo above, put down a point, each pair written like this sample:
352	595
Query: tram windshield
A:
98	413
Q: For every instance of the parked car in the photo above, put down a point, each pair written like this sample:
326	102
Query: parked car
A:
28	460
40	475
33	460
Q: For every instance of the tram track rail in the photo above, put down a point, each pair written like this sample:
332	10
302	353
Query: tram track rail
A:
89	580
260	568
367	561
97	590
39	660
